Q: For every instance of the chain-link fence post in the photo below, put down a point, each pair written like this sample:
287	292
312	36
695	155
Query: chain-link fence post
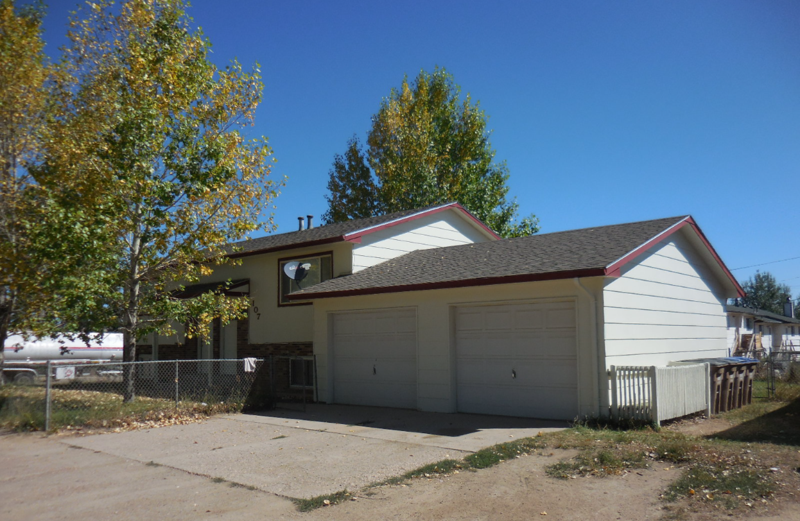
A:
47	398
176	384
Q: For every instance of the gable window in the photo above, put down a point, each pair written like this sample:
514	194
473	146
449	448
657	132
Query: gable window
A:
311	270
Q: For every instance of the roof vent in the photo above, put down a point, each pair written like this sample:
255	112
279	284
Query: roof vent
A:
299	224
309	217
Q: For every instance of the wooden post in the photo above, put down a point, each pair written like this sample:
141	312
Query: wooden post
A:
614	404
654	415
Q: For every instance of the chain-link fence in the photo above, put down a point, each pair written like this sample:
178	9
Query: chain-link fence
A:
782	366
55	395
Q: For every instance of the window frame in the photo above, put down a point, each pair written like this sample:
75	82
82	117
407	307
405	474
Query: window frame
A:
307	363
301	257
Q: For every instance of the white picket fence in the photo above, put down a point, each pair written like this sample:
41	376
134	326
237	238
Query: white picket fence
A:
655	394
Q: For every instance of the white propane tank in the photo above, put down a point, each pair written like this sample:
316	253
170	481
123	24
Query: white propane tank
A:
100	347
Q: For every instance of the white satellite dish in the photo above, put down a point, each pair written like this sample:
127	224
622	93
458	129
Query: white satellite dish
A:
296	271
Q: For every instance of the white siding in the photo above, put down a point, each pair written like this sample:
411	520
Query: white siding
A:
664	308
448	228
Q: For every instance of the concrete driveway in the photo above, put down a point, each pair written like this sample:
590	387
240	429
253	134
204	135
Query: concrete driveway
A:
326	449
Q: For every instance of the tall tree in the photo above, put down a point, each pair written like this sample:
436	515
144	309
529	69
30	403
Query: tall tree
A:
23	73
764	292
147	134
428	146
353	193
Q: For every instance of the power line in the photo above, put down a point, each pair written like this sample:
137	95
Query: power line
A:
765	263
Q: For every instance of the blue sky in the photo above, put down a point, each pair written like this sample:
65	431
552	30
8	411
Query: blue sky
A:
605	111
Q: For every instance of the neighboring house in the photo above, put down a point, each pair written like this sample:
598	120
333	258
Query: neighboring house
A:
276	326
776	332
521	327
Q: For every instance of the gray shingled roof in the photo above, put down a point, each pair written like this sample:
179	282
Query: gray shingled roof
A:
585	252
762	315
318	235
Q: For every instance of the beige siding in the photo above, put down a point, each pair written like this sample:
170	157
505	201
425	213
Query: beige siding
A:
436	378
447	228
278	324
664	307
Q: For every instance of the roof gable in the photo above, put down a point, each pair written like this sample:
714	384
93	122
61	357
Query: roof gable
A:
350	231
597	251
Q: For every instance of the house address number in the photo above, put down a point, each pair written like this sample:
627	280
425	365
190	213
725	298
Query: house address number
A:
255	310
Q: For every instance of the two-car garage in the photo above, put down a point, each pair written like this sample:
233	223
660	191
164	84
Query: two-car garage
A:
512	359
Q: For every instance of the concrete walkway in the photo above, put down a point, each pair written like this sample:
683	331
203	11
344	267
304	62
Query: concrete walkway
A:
326	449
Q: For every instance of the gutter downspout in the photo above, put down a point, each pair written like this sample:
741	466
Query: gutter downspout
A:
598	361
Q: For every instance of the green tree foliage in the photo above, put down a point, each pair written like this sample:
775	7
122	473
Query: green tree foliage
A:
353	193
146	134
764	292
426	146
23	74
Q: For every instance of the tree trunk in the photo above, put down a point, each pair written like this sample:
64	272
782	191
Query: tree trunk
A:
130	331
129	370
6	308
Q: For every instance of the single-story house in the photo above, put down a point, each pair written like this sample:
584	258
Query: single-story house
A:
772	331
521	327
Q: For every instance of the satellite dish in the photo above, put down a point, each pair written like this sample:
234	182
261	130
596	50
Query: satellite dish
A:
296	271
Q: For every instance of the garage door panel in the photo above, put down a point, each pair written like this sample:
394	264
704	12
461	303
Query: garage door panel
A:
529	319
555	373
498	319
383	395
469	320
561	318
374	358
551	403
522	362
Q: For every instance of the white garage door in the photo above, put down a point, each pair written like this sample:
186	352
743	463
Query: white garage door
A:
375	358
518	360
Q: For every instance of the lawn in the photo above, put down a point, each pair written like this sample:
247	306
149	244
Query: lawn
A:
22	408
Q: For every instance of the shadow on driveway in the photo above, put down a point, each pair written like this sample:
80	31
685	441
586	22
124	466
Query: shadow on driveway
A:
407	420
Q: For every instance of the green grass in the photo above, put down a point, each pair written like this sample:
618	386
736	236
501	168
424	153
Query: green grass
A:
443	467
715	483
306	505
22	408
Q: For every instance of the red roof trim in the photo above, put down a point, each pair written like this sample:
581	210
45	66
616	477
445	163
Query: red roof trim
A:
531	277
739	290
614	269
357	235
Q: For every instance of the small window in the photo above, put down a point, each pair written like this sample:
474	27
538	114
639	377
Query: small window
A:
748	323
761	329
301	372
319	269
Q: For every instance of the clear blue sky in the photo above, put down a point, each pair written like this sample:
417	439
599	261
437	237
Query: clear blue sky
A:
605	111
